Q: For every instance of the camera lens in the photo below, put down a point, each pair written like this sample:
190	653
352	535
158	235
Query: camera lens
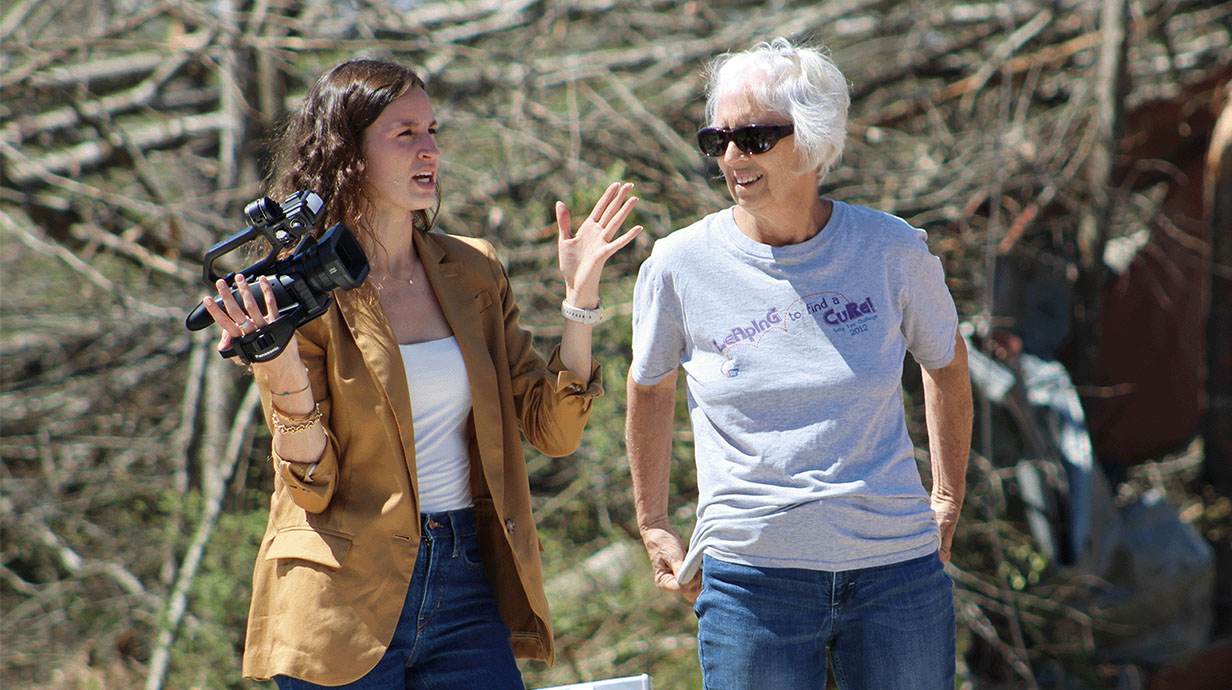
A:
336	261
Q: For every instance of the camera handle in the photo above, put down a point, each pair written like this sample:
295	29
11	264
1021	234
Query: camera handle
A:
208	275
279	224
266	342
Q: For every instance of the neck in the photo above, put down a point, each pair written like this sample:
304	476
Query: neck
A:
784	225
394	250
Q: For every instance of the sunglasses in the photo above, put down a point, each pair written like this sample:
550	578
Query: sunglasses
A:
752	139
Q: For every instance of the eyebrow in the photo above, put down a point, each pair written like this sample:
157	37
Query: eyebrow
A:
413	123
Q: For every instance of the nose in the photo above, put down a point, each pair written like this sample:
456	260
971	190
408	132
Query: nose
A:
428	149
732	152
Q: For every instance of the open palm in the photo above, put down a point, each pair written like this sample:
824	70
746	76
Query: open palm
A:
584	252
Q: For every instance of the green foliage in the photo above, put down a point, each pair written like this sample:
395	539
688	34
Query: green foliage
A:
207	651
626	629
584	504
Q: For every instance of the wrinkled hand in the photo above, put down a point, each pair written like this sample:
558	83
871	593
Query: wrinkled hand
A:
946	510
666	553
583	253
238	320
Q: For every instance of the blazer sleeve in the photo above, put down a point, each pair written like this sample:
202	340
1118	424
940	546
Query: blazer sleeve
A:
552	402
309	485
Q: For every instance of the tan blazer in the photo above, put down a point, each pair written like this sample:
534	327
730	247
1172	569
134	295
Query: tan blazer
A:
339	550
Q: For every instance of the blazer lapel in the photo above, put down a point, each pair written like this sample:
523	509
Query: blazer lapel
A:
361	310
459	291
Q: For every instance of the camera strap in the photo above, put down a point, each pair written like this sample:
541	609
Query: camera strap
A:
269	341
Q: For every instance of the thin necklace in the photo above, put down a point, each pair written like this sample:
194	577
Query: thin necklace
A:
387	278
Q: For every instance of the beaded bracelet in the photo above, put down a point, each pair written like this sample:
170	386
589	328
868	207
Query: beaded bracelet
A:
286	424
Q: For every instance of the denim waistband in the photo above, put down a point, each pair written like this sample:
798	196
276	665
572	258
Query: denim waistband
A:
448	523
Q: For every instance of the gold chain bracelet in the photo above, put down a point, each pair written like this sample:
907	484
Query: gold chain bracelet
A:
286	424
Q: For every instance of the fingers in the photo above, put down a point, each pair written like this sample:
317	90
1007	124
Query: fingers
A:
224	319
692	589
252	311
618	203
947	539
609	212
666	552
596	213
665	580
612	224
271	302
563	221
220	317
946	516
234	319
666	577
233	309
620	242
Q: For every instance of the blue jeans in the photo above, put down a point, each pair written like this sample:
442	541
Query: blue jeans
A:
886	628
450	634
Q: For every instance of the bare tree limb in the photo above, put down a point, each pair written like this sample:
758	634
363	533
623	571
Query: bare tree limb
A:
36	240
142	95
1093	230
24	170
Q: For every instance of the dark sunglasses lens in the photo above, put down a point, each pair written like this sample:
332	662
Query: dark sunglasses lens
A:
755	140
712	142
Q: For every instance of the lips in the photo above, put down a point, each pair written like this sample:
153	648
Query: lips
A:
745	179
426	178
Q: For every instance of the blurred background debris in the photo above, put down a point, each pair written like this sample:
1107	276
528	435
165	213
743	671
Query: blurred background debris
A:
1069	159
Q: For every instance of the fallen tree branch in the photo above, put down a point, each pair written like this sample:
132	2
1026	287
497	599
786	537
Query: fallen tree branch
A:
141	95
24	170
38	241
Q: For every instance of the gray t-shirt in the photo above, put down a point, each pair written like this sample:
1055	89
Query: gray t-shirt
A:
793	358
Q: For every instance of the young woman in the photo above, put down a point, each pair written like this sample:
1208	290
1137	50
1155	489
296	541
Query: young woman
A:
401	551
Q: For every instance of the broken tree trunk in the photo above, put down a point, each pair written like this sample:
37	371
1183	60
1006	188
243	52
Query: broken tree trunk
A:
1093	231
1218	432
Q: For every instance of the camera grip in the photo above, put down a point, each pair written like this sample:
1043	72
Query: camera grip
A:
266	342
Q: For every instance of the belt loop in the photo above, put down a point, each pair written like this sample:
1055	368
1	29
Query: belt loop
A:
456	534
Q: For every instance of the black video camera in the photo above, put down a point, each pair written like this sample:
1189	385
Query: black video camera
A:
302	282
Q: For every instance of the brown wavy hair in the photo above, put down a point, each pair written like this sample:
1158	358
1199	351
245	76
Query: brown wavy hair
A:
321	149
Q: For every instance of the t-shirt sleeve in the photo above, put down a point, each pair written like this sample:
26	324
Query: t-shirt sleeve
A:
930	319
658	331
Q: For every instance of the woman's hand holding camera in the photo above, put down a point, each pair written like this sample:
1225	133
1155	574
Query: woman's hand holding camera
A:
238	320
297	435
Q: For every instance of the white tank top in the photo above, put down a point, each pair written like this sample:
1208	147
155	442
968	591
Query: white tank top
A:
440	404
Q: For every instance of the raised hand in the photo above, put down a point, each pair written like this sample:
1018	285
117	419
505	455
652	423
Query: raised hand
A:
583	253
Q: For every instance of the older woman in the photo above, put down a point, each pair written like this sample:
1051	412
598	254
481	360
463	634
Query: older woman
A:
791	315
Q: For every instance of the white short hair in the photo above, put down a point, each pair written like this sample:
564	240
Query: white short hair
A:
799	82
